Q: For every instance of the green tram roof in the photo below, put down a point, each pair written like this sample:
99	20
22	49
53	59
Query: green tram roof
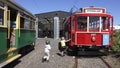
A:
18	7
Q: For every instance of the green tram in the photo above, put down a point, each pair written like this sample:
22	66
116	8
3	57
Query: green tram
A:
17	30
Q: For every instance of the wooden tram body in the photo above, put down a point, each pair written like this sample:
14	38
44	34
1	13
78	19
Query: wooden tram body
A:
90	28
17	30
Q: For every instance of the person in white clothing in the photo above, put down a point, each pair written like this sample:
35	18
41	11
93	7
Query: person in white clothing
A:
47	51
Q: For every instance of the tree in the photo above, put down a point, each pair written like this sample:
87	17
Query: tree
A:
116	46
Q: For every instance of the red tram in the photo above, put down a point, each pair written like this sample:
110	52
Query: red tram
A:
90	28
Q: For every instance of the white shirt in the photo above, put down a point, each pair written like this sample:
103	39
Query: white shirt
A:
47	48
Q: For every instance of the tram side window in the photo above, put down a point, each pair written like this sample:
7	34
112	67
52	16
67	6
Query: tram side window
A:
73	20
104	22
21	22
94	22
13	15
27	24
32	25
1	16
67	26
111	22
1	4
82	23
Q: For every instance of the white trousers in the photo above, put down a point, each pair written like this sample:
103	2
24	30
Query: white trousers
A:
47	55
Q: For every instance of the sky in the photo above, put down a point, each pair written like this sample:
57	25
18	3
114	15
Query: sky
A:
43	6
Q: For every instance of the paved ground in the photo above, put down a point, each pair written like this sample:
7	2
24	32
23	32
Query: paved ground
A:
34	58
91	62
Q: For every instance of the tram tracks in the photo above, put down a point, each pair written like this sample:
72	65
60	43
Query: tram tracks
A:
76	62
105	62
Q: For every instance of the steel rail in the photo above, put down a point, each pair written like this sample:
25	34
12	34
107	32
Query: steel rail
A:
106	63
76	62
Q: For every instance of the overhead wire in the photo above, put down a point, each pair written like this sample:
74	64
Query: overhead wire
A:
74	8
36	4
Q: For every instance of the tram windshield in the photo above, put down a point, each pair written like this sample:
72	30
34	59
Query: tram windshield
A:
92	23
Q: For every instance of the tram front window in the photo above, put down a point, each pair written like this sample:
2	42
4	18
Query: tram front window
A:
104	23
1	17
82	23
94	22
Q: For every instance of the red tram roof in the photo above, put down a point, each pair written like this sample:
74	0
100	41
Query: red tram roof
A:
92	11
93	14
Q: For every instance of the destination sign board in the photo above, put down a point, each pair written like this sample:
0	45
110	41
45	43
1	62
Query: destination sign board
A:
94	10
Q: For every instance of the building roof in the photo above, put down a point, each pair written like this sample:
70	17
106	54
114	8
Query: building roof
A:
60	14
47	17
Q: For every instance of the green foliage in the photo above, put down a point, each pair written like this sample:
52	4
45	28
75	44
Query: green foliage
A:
116	45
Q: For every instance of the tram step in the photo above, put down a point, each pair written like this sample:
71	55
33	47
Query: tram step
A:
9	60
13	58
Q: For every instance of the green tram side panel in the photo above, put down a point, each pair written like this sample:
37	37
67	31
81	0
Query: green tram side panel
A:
27	37
3	40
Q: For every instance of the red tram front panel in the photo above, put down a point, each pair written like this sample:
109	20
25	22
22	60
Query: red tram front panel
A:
88	39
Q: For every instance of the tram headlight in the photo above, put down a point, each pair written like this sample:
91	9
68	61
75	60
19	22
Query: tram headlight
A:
93	39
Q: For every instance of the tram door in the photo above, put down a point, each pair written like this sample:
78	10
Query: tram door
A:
12	16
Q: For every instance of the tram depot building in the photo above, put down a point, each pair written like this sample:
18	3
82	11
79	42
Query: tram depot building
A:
51	24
